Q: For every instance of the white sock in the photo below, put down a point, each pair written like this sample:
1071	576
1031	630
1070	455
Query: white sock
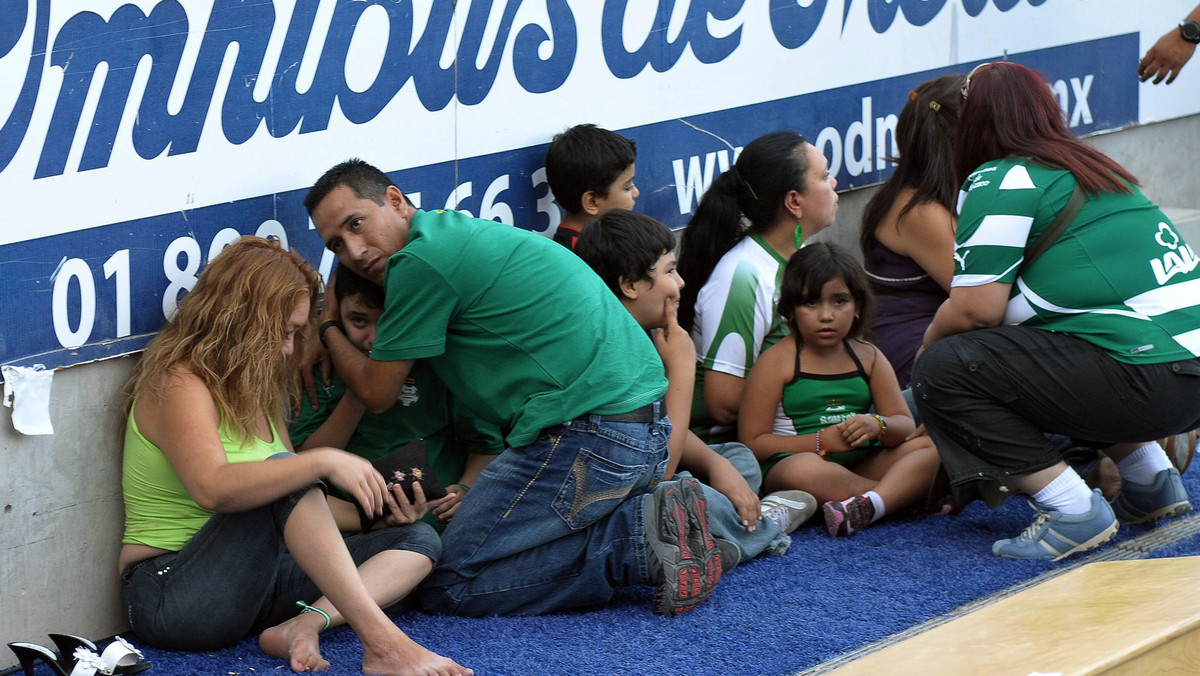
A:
877	503
1144	464
1068	494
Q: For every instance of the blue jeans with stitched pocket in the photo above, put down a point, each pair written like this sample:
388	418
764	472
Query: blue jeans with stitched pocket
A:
553	525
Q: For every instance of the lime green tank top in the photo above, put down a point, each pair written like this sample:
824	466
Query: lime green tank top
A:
159	512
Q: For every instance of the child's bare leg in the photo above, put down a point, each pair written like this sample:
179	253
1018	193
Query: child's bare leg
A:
904	472
313	539
824	480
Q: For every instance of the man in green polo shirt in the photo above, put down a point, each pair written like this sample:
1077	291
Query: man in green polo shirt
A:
527	338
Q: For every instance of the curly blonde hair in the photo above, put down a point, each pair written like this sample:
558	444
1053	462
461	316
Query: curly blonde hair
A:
229	332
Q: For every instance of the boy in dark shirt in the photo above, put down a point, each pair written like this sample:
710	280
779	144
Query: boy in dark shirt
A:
589	170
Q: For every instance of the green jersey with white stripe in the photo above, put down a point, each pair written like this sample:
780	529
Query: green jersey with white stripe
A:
1119	277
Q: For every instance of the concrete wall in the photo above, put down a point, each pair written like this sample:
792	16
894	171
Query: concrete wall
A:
61	511
60	500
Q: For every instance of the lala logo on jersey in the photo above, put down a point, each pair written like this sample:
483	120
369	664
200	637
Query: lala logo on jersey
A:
1179	259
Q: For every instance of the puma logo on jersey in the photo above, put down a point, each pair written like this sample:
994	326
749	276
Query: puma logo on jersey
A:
961	258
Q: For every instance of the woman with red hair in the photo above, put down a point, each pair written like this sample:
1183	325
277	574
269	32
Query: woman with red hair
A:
1074	309
228	533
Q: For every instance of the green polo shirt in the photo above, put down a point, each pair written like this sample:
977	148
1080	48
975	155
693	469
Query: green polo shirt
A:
521	330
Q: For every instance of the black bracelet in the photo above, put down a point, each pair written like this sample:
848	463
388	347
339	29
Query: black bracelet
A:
324	327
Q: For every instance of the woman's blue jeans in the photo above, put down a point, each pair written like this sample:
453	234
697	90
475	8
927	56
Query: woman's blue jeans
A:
234	578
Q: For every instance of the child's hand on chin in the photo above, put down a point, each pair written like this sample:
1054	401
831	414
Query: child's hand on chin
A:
674	345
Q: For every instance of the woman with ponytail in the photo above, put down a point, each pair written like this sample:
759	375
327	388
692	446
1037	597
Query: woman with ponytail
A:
750	221
908	227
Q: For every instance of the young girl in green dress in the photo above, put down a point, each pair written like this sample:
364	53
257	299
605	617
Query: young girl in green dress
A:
823	411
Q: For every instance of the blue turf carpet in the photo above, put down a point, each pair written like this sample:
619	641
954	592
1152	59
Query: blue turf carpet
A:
771	616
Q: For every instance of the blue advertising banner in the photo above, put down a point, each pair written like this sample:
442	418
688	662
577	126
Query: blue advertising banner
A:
137	143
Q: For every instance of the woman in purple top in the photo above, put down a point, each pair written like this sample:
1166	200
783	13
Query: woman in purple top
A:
908	227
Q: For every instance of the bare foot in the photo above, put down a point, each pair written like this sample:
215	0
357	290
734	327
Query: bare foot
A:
407	658
295	641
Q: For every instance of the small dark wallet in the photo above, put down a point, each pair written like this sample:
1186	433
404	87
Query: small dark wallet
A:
408	464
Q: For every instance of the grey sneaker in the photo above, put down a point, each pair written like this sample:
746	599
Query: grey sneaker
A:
1147	503
788	509
689	560
1054	536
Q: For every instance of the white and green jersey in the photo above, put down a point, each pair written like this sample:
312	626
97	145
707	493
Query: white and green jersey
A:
1119	277
736	318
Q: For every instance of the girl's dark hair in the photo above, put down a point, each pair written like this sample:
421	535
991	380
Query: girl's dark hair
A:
1009	110
925	137
768	168
807	272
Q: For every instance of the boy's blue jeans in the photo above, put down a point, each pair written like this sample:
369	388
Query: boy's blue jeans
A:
555	524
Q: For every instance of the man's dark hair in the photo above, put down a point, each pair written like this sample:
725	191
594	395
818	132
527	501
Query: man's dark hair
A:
586	158
366	181
623	244
346	284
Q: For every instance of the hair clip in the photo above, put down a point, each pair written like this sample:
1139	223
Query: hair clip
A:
912	96
935	106
747	184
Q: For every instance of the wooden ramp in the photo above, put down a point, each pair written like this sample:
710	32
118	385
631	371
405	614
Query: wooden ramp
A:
1130	618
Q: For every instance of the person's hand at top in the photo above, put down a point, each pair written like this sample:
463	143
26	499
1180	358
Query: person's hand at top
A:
1172	51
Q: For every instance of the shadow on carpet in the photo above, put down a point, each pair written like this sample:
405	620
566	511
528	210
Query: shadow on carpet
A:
775	615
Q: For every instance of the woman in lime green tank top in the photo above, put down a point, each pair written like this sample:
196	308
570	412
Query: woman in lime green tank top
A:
227	530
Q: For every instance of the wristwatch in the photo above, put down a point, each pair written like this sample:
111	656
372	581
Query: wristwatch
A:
325	327
1189	31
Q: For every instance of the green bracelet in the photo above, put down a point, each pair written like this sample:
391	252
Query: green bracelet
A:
313	609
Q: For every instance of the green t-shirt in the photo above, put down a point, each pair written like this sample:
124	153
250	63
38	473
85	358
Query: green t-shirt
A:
424	410
522	331
1119	277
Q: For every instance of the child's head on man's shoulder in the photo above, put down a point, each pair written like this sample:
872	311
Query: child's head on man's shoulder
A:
360	304
635	256
590	170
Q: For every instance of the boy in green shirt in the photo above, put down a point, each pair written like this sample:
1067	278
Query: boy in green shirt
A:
459	445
